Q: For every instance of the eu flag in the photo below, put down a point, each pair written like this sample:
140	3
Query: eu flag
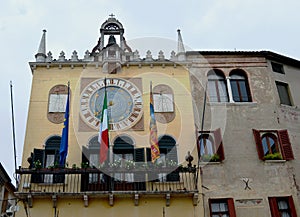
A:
63	151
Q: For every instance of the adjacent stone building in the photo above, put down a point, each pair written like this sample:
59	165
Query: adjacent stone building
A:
7	198
227	124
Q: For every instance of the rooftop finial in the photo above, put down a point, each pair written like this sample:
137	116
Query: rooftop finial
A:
41	54
112	15
180	45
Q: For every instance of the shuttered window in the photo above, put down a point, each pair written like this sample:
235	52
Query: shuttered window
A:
282	207
222	207
210	145
271	143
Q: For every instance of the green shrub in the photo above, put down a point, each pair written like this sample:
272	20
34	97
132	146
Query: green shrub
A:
275	156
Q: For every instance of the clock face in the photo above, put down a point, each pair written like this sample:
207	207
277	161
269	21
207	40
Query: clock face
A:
124	103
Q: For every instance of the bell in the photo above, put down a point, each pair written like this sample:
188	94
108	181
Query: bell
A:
111	41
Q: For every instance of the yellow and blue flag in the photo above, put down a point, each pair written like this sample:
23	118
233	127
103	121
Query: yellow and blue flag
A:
155	153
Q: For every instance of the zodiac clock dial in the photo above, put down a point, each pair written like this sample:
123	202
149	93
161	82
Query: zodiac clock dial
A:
124	103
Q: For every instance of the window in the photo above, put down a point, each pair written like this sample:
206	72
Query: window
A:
210	146
217	87
239	86
123	155
48	157
273	144
282	206
277	67
206	145
168	157
222	207
284	93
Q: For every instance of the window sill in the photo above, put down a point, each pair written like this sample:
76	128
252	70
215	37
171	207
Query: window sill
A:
232	103
210	163
275	161
289	106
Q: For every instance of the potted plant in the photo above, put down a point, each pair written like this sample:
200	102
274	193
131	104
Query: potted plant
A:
210	158
275	156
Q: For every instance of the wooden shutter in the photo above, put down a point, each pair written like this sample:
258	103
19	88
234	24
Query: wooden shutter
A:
139	155
85	176
85	155
38	155
148	155
274	207
292	207
219	144
139	177
259	147
285	144
231	208
172	154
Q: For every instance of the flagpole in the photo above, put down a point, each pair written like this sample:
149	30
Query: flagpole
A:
13	127
202	127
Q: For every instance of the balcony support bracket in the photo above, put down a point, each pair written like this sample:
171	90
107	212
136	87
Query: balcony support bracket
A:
168	197
136	199
111	199
54	200
86	200
29	200
195	199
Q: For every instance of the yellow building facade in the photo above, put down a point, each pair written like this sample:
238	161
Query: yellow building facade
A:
128	182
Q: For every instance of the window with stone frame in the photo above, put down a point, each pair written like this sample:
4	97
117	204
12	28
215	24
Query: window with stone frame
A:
282	206
284	93
217	87
277	67
273	144
239	86
222	207
210	145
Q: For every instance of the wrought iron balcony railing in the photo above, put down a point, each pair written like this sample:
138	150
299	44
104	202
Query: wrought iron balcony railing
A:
76	181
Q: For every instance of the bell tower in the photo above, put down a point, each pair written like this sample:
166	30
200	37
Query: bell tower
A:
116	52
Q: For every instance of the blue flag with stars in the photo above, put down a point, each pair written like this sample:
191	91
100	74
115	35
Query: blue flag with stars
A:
63	151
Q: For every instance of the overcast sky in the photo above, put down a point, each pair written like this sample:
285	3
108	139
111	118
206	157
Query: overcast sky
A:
74	25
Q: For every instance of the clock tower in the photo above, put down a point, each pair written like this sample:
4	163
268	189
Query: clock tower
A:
127	173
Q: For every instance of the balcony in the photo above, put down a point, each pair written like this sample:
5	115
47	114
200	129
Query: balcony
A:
117	181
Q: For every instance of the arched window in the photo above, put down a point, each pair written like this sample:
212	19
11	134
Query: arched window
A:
273	144
168	157
239	86
52	147
217	87
123	148
269	143
210	146
206	145
45	158
124	156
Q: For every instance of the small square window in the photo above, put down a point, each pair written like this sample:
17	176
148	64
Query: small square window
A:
276	67
282	206
284	93
222	207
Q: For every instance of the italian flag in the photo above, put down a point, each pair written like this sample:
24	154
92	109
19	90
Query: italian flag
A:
103	131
